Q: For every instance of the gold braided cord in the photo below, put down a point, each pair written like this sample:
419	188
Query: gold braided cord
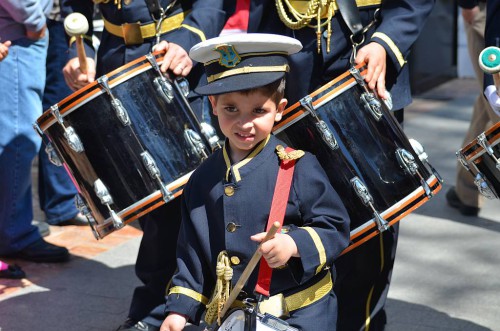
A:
315	9
221	292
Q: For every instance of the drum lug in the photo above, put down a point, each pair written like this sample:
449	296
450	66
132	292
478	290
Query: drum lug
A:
484	187
481	139
102	193
326	133
53	155
183	86
194	141
372	104
117	105
74	141
407	163
154	172
84	209
211	135
161	84
164	88
422	155
367	199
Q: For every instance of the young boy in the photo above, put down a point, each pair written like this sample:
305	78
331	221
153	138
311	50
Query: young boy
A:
227	201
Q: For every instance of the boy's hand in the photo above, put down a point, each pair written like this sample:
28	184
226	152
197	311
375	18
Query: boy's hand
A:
374	55
174	322
494	100
277	251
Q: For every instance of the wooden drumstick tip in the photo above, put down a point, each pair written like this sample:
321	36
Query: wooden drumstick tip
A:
76	25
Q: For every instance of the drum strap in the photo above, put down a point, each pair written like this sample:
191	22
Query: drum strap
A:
350	13
277	214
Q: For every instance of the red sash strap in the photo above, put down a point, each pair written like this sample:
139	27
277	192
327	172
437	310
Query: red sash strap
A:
277	214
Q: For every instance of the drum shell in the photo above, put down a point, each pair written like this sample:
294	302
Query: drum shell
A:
366	149
112	150
480	160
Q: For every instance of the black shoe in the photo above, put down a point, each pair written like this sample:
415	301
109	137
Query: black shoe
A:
133	325
79	219
43	227
12	272
454	201
42	251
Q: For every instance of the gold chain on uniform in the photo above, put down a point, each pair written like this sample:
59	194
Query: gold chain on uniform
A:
118	3
315	9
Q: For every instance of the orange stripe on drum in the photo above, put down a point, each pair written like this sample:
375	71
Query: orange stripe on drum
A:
419	197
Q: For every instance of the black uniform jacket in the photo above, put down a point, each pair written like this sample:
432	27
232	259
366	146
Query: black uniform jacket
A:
398	26
315	218
202	19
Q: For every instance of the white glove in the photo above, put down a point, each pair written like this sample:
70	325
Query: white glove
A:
491	94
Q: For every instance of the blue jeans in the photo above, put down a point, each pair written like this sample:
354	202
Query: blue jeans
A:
22	80
56	190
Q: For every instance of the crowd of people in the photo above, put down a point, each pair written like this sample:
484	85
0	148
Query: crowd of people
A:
246	84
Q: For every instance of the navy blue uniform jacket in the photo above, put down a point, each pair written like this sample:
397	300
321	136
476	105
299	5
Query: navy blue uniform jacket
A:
315	216
399	25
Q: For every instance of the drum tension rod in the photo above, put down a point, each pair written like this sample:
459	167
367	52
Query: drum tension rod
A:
326	133
117	105
84	209
69	133
480	181
163	86
481	139
50	150
370	101
367	199
102	193
407	163
155	173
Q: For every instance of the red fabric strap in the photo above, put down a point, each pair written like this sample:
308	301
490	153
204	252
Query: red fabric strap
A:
277	213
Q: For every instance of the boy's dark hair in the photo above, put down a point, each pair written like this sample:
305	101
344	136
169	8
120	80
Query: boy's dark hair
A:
274	90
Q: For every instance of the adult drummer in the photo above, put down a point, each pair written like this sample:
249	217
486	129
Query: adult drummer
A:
363	274
492	38
129	33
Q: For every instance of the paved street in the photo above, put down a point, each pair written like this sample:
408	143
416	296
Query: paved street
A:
446	276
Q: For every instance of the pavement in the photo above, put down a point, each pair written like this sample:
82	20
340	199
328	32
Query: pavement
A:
446	275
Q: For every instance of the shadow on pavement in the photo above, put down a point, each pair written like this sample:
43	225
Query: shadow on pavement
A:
81	295
412	317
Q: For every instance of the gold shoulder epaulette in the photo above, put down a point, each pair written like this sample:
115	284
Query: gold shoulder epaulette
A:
284	155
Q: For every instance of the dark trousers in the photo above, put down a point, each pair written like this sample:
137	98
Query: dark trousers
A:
363	278
156	262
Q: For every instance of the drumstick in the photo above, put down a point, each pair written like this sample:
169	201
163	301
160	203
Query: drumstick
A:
489	61
76	25
249	268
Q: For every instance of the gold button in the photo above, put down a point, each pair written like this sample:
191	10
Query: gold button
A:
229	190
127	2
235	260
231	227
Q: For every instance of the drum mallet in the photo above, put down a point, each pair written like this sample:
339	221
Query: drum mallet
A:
489	61
248	269
76	25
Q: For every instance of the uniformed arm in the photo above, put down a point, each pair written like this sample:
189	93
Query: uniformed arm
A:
73	75
401	22
325	231
206	20
192	284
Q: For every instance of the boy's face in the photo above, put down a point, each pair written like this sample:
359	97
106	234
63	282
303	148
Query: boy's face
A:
246	119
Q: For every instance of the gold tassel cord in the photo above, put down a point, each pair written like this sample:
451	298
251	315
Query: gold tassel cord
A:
222	287
315	9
